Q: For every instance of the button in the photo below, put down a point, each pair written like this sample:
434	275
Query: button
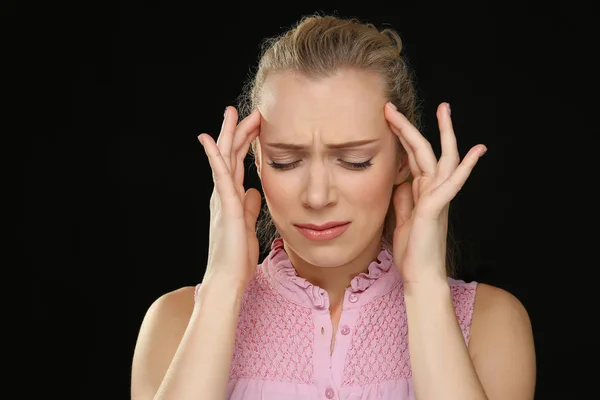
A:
345	330
353	297
329	393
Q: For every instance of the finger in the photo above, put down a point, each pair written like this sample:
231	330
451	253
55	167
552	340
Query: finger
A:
238	175
403	203
252	202
248	127
451	186
450	158
420	146
225	139
221	176
412	161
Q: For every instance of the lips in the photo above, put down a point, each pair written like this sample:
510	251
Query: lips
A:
322	227
326	231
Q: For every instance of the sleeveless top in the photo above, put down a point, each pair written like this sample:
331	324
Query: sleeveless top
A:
283	338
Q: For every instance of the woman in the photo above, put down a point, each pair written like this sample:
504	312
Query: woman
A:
355	299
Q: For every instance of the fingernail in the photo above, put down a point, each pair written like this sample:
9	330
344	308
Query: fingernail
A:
393	106
225	113
484	151
200	140
449	109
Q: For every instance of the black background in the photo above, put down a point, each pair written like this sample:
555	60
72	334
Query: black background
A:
116	186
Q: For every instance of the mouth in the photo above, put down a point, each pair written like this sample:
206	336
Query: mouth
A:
327	231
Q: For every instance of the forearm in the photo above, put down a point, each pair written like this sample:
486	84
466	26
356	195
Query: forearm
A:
440	361
202	363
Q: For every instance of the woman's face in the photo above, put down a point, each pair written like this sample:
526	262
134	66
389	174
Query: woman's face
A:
327	155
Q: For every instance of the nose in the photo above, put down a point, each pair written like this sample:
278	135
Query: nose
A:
319	191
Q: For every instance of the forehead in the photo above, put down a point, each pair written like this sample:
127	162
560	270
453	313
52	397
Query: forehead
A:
347	105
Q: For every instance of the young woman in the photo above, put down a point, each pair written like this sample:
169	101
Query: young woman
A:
355	299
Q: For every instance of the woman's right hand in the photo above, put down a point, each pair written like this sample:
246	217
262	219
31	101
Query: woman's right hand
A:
233	245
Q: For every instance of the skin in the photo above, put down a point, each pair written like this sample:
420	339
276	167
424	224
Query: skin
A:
178	332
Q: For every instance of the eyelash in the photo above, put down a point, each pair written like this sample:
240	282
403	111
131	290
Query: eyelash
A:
349	165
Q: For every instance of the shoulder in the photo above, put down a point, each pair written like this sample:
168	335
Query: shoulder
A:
502	340
493	296
495	308
489	304
159	336
167	317
177	303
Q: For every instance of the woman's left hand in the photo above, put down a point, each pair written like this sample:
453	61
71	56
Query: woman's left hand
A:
421	207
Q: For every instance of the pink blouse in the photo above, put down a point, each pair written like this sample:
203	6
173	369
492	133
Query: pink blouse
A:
284	332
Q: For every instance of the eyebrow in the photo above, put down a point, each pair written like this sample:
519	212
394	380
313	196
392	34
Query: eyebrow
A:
335	146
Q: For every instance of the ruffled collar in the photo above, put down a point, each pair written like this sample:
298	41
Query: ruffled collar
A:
379	277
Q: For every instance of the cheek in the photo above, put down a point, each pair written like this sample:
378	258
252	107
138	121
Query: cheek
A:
371	189
278	189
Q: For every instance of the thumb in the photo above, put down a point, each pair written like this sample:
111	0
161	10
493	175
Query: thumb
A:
403	202
252	203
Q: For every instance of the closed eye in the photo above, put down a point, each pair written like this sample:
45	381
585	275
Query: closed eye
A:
345	164
284	166
356	166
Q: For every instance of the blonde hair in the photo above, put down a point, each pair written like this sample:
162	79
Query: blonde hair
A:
319	46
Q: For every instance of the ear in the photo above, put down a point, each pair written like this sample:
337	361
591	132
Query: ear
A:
403	173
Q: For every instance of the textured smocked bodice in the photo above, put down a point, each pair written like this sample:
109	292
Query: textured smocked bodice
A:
282	348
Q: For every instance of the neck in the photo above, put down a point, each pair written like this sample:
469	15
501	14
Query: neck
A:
335	280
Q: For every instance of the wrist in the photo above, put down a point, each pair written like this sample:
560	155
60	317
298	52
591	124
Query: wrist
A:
220	289
429	287
225	280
